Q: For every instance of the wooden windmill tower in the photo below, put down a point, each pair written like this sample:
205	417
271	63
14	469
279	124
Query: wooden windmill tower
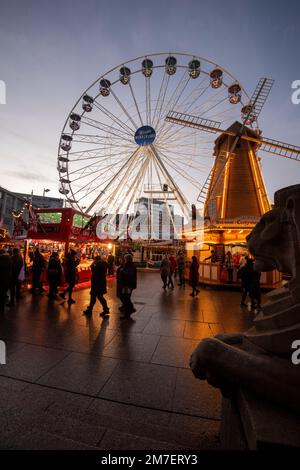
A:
234	194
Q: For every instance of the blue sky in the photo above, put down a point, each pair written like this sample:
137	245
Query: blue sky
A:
51	51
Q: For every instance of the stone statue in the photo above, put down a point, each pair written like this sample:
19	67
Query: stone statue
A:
259	360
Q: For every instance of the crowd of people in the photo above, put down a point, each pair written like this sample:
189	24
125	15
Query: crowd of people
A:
12	273
171	266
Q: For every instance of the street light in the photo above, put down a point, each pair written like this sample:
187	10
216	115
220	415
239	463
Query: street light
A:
45	191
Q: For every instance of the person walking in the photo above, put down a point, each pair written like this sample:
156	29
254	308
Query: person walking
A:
110	264
126	283
165	270
98	286
71	264
255	291
173	267
54	274
194	276
229	266
181	268
5	277
245	273
38	265
15	285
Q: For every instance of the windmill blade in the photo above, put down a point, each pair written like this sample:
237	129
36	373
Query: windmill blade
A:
188	120
280	148
259	98
203	192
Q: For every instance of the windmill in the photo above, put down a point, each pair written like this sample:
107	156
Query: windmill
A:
234	187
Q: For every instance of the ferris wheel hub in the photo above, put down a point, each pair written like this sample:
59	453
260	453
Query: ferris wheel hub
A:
145	135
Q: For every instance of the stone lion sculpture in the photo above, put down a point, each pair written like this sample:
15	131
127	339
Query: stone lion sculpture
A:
259	360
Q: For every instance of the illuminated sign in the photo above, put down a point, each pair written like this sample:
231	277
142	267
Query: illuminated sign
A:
145	135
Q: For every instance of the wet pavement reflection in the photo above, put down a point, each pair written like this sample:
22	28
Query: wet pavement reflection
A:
111	383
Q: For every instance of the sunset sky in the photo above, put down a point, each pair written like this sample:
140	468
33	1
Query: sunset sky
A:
51	51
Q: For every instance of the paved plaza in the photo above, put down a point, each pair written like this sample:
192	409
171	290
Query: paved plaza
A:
73	382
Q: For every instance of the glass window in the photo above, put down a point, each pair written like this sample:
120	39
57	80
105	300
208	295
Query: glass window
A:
49	217
80	220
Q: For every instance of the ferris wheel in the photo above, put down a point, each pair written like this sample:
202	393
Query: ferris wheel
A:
116	146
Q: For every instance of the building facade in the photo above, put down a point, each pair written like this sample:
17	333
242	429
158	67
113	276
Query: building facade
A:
10	201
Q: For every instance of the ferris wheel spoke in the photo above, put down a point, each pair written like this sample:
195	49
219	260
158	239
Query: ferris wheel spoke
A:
104	154
95	139
104	171
165	198
86	167
175	97
93	153
129	162
107	129
177	192
161	94
182	173
213	106
114	118
131	184
137	183
195	94
169	126
88	185
123	108
136	105
148	100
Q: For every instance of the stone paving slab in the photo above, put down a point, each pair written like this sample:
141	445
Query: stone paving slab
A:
82	383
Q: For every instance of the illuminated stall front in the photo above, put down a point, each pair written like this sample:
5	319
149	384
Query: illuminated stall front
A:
63	229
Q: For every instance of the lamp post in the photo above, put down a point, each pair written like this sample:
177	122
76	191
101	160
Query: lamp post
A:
46	190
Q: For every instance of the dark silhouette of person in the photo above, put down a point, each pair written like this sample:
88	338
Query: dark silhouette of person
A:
255	291
98	286
181	268
173	267
15	285
212	257
110	264
194	276
245	273
38	265
54	273
5	277
165	271
71	263
126	283
229	266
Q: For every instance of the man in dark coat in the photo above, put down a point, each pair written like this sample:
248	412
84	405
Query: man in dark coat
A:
98	286
54	273
38	265
126	283
5	277
71	264
15	285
